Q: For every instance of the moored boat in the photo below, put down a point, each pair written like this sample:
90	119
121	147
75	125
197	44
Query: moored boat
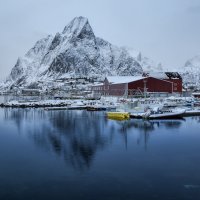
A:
95	108
118	115
159	114
175	113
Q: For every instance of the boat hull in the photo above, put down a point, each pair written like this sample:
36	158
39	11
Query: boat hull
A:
91	108
118	115
167	115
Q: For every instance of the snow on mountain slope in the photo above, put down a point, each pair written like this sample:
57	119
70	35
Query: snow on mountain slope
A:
191	71
147	64
29	67
76	51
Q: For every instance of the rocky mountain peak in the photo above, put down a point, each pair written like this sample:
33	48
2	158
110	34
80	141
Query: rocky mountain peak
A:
79	27
39	47
76	51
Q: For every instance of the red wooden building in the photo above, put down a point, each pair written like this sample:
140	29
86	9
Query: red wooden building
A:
132	85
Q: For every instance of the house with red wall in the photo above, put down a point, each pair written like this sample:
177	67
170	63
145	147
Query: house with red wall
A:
130	85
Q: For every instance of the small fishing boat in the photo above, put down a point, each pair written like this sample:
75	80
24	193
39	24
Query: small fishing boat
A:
137	115
95	108
169	114
118	115
77	105
159	114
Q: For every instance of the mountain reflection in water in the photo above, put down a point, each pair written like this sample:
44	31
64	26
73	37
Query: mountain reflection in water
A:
78	135
83	155
74	135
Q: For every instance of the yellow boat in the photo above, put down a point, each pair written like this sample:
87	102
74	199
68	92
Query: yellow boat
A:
118	115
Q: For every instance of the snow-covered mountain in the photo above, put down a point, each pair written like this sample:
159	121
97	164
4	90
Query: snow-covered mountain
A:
191	72
148	65
76	51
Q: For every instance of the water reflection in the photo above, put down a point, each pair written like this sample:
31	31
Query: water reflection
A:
196	118
168	124
74	135
77	136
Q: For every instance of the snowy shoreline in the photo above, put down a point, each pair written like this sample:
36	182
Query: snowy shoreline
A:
37	104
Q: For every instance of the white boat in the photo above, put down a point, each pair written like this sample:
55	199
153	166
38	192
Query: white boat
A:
178	101
97	106
138	106
175	113
137	115
77	105
159	114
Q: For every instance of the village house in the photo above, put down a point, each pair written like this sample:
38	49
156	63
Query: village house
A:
140	85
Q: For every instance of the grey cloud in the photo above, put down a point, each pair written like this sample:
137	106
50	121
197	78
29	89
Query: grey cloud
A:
194	9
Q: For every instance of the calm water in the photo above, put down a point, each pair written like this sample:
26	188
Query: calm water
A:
82	155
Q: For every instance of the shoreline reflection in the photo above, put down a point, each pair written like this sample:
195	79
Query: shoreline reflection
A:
77	136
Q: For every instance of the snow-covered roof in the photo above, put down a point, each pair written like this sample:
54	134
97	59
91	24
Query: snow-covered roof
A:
164	75
173	75
97	84
159	75
123	79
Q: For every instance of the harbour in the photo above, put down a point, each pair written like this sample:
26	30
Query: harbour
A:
51	154
99	100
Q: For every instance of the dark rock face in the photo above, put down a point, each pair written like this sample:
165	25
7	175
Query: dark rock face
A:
56	41
17	69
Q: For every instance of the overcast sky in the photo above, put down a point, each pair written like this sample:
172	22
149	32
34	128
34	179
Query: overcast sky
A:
168	31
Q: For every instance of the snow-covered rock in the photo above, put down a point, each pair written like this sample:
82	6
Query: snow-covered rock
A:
76	51
146	63
191	72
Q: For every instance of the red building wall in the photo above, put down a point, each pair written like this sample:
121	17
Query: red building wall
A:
177	84
152	85
114	89
118	89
